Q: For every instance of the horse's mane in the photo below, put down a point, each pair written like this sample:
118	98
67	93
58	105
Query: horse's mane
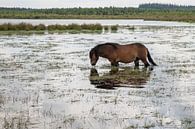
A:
114	45
96	48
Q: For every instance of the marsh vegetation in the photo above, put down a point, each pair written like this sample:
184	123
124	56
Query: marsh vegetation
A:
26	27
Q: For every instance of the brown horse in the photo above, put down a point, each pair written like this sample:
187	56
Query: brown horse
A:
116	53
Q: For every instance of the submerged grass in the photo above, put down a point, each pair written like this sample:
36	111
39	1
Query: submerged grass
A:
117	78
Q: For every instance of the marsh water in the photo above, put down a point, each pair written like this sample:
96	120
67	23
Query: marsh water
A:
122	22
45	81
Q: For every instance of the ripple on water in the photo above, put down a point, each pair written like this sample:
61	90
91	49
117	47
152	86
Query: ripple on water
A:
46	83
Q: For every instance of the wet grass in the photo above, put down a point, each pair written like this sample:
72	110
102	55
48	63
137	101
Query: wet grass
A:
120	78
148	126
16	123
188	123
1	100
178	71
132	127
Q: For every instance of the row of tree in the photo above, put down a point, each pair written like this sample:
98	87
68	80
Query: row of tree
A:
72	11
144	11
167	7
98	11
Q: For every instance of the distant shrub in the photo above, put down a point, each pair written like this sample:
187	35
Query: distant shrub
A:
4	27
51	27
86	27
56	27
91	27
131	27
22	26
61	27
98	27
106	28
40	27
114	28
73	27
11	27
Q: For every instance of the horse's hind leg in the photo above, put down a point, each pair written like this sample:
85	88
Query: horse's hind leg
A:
136	62
144	60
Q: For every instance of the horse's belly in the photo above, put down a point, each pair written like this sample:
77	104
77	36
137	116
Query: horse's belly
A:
127	56
127	60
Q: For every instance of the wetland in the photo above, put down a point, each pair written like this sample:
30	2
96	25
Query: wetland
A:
46	81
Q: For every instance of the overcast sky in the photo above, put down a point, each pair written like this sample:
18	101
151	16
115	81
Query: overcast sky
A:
86	3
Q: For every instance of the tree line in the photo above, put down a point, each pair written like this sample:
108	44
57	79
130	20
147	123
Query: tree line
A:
144	11
167	7
71	11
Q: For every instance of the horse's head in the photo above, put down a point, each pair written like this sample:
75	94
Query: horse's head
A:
93	56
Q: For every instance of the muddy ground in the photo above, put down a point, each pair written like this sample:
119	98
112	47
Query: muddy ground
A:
46	82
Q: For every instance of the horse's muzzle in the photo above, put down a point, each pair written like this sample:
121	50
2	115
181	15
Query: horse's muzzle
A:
93	64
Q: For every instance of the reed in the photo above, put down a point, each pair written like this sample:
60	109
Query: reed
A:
41	27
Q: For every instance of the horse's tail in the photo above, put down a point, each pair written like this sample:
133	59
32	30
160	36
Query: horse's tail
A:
150	59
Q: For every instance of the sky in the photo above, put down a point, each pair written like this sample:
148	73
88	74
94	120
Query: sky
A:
86	3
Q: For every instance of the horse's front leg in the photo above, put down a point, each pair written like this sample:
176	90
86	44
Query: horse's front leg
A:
115	64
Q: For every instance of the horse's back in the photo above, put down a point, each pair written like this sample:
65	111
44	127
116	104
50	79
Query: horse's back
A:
132	48
137	45
129	52
140	49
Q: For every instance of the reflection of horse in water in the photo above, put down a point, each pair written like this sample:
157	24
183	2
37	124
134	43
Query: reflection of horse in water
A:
128	77
116	53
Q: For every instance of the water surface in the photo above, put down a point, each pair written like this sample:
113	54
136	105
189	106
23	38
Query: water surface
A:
45	82
123	22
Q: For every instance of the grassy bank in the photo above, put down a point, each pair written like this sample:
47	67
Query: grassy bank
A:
146	12
156	15
25	28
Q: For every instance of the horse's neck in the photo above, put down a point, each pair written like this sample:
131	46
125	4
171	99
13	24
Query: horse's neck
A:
103	54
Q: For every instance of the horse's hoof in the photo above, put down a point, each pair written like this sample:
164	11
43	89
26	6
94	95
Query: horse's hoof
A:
151	68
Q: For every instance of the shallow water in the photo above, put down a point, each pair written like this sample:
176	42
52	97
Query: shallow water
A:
45	82
122	22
